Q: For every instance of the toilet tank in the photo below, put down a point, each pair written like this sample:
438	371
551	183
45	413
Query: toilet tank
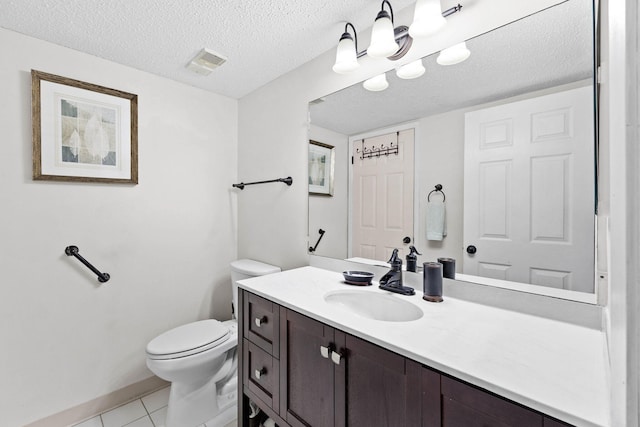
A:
244	269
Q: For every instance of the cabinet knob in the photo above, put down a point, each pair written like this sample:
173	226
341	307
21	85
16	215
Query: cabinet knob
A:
259	373
324	351
336	357
260	320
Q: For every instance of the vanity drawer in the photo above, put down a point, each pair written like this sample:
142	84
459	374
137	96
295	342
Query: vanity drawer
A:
261	374
261	323
465	405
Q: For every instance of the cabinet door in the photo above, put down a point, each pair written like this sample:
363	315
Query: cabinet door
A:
382	387
307	385
465	405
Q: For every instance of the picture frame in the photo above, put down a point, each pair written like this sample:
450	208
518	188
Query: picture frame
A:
321	168
83	132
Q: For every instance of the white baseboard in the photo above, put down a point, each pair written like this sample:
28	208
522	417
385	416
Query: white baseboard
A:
101	404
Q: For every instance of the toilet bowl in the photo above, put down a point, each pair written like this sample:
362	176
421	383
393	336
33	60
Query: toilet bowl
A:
200	360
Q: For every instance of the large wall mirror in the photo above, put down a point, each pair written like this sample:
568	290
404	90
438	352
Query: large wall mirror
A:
509	134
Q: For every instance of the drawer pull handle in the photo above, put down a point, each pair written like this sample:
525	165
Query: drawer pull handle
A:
260	321
336	357
259	372
324	351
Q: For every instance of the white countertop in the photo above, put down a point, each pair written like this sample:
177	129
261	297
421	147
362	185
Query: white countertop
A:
554	367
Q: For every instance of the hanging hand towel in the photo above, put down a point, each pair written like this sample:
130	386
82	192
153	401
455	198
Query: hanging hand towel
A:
436	220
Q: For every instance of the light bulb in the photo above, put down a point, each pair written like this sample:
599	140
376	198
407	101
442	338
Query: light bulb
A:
346	56
427	18
383	41
377	83
454	54
411	70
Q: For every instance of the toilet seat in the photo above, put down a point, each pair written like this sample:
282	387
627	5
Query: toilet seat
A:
187	340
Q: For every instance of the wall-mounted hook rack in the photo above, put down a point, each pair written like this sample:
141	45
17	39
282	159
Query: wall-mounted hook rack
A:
288	180
74	251
438	189
367	153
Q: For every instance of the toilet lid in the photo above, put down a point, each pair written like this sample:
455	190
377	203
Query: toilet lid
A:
188	339
253	268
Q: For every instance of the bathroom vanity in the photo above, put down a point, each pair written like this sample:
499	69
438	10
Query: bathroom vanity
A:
306	360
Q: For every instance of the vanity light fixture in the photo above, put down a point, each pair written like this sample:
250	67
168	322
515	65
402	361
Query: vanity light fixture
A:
412	70
347	52
427	18
383	41
377	83
387	41
454	54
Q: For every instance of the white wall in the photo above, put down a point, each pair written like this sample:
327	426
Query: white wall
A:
166	242
331	213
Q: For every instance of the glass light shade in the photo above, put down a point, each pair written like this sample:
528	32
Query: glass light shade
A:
427	18
346	56
377	83
454	54
383	40
411	70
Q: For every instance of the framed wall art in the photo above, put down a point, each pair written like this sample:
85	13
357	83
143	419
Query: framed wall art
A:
321	161
83	132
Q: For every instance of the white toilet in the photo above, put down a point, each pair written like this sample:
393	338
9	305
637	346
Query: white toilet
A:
200	361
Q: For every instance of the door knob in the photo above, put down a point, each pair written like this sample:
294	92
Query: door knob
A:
406	240
471	249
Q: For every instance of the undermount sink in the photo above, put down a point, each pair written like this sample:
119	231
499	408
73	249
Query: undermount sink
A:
376	306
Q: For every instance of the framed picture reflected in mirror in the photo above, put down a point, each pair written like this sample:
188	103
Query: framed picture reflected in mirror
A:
321	165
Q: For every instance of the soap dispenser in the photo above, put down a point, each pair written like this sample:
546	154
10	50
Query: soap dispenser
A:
392	281
412	259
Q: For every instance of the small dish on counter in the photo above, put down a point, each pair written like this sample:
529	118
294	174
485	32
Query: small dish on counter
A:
358	278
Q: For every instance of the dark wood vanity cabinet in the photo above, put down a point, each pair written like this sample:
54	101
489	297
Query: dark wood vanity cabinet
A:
303	373
329	378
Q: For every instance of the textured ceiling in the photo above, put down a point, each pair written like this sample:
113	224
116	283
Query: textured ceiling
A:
262	39
550	48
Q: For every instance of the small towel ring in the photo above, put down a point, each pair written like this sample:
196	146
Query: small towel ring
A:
437	190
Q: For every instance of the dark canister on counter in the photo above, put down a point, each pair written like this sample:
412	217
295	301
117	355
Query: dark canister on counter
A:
412	259
432	281
448	267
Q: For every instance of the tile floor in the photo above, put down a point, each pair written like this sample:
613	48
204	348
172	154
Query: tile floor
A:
148	411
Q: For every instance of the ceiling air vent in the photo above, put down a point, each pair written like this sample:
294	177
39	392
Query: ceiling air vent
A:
205	62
